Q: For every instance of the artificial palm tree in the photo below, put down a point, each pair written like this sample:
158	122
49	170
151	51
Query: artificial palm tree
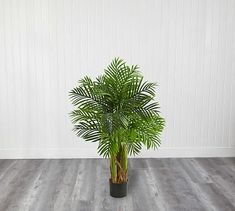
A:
118	111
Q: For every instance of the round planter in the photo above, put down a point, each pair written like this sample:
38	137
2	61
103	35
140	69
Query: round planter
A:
118	190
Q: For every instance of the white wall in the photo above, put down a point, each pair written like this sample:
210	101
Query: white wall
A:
187	46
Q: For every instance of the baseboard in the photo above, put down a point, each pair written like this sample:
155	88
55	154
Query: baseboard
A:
52	153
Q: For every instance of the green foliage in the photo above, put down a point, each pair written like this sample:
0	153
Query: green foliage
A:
118	107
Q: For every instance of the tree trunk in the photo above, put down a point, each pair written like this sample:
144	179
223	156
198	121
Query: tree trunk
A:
119	165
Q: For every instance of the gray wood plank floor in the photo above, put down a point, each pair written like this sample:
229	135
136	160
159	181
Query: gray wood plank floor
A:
82	185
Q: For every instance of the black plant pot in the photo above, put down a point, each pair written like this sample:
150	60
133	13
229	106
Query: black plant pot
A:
118	190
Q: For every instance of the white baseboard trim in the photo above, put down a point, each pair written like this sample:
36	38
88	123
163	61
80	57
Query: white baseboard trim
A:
163	152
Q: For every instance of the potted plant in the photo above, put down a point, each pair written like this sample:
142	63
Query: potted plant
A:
118	111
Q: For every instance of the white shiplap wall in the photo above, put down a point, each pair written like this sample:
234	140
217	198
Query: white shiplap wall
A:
187	46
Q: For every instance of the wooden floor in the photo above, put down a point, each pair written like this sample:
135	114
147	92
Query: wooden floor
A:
82	184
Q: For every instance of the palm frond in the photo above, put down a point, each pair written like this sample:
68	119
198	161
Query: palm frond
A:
115	108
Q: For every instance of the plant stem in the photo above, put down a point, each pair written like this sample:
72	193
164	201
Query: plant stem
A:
123	159
113	169
119	165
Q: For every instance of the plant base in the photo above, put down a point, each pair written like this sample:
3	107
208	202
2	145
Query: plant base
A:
118	190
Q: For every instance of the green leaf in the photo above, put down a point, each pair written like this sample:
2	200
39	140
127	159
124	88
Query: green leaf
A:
117	108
